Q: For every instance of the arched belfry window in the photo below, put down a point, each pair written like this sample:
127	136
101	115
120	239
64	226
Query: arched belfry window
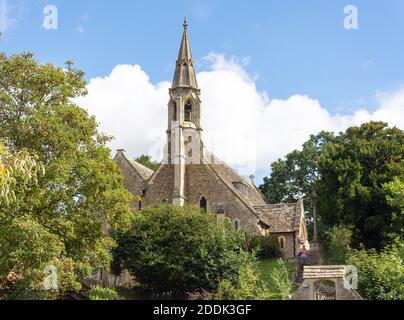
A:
174	111
203	204
188	111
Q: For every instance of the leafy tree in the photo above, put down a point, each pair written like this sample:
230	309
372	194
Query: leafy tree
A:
62	219
147	161
338	244
293	178
353	173
380	274
395	193
171	250
17	170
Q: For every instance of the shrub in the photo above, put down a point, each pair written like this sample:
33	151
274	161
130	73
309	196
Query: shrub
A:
171	250
248	287
338	241
281	280
265	247
100	293
380	274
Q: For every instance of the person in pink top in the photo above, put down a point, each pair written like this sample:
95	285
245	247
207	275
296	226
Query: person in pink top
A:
303	257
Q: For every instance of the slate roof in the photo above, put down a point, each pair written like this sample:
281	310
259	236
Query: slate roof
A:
253	197
144	172
281	217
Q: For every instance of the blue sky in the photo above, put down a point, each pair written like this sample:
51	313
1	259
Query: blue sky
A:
294	46
287	48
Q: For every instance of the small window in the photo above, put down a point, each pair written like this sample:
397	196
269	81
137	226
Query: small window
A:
174	111
241	187
188	112
236	225
203	204
281	243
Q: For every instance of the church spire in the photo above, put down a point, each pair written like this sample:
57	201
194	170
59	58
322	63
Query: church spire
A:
184	76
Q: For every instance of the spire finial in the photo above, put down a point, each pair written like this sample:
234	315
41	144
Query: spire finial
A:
185	25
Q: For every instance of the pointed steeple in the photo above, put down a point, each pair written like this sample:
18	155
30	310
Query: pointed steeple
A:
184	76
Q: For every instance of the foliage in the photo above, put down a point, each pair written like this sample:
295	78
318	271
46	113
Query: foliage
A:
147	161
293	178
380	274
253	285
264	247
248	286
395	193
281	280
17	170
353	173
172	249
62	218
100	293
338	244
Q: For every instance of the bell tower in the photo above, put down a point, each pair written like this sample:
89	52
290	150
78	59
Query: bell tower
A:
184	145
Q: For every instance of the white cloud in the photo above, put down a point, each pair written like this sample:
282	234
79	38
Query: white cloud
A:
80	29
241	124
6	19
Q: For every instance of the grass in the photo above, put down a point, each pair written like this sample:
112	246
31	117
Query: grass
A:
265	267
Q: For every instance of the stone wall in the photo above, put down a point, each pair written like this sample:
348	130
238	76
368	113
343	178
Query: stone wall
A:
201	180
288	251
131	180
160	187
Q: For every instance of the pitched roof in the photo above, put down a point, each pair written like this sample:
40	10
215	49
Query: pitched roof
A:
252	197
144	172
281	217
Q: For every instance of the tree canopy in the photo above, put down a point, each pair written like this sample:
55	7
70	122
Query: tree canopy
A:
354	171
147	161
172	249
357	176
62	219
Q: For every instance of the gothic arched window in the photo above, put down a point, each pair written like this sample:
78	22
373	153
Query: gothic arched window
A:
203	204
281	243
188	111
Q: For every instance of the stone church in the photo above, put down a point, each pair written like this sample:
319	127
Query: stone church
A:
190	174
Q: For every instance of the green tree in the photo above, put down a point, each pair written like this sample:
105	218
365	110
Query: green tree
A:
63	218
293	178
353	173
338	244
147	161
171	250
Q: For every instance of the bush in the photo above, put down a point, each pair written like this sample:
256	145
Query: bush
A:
338	242
281	280
172	250
380	274
265	247
100	293
248	287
